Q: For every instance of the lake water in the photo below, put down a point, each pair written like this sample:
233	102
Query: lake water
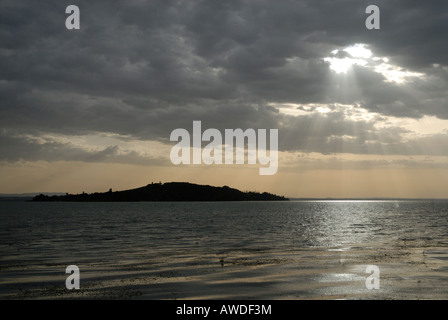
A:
279	250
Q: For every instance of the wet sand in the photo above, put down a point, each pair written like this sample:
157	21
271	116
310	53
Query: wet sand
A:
407	271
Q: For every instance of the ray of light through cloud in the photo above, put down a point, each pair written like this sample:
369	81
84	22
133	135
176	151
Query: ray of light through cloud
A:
113	91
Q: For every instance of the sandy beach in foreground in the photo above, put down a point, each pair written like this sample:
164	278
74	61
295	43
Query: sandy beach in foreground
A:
406	272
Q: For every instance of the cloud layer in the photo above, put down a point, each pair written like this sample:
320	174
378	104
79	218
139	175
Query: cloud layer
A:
141	69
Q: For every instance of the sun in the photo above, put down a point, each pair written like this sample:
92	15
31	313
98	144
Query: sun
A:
342	60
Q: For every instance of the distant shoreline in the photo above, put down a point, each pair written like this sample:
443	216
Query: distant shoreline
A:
166	192
368	199
19	198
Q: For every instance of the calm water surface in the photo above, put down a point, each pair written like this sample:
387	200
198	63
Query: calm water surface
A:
43	231
108	233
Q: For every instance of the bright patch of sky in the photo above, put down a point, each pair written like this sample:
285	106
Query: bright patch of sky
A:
342	60
427	125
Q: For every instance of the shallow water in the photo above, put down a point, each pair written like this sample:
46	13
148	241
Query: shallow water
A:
279	250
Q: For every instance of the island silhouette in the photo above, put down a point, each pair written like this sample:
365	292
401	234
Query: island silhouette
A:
170	191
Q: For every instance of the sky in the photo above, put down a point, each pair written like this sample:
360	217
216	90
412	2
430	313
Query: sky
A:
360	113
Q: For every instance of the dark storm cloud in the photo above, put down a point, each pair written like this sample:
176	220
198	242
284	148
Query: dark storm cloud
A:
144	68
18	148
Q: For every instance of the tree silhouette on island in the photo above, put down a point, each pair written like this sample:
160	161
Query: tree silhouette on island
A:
170	191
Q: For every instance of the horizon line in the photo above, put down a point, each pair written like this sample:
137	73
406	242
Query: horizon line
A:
31	194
